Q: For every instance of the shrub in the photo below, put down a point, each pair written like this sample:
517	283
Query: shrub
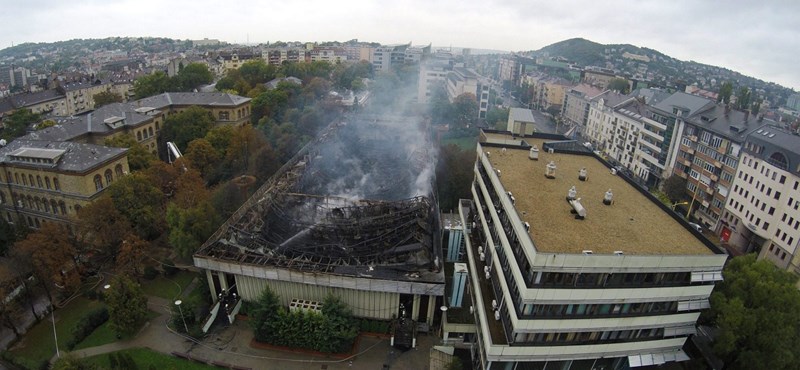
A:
150	273
86	325
169	268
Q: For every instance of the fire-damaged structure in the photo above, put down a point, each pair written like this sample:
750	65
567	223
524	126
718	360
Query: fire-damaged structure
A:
352	214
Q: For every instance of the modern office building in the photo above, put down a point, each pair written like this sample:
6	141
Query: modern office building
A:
762	214
570	266
465	80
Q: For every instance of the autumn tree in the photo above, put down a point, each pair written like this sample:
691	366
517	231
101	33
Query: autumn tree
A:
202	156
106	98
755	309
9	310
17	123
139	157
136	198
127	305
131	255
102	227
50	253
181	128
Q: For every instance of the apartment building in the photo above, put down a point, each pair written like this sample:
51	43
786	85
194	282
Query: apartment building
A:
49	181
465	80
330	55
571	274
432	74
761	214
575	109
276	56
47	103
710	139
234	60
80	95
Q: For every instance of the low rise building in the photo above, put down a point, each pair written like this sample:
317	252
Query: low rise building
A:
521	122
465	80
575	110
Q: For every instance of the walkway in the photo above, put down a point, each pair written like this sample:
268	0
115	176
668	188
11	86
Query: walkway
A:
231	345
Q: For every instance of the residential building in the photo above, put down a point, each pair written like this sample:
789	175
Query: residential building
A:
330	55
432	75
761	213
47	103
575	110
80	95
276	56
465	80
598	287
597	76
710	140
547	92
49	181
509	70
234	60
384	57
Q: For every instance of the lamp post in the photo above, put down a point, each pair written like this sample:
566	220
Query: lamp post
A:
55	336
678	204
178	303
443	308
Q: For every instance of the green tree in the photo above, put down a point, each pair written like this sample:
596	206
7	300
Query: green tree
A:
105	98
193	76
257	72
674	187
190	227
181	128
202	156
139	157
756	106
264	316
725	93
70	361
269	104
619	85
127	305
153	84
755	309
136	198
497	118
45	124
743	98
7	234
454	174
465	108
17	123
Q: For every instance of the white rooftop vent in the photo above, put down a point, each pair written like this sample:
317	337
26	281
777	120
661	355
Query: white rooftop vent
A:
498	173
480	249
486	269
534	153
608	197
550	170
582	174
551	150
572	193
613	171
577	209
587	252
3	143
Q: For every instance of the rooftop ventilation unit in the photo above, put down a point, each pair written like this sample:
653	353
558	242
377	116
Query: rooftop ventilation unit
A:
582	175
534	153
550	170
527	227
618	253
572	193
577	209
608	198
587	252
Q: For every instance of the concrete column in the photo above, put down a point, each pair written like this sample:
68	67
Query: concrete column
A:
431	308
211	287
415	308
223	283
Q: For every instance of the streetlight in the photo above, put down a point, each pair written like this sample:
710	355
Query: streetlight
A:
678	204
443	308
178	303
53	316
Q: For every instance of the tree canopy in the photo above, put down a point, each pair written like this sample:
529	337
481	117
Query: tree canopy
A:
139	157
619	85
17	123
674	187
127	305
755	309
106	98
181	128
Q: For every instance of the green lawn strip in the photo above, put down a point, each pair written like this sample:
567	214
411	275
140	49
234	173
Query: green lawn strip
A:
165	287
37	344
104	335
145	358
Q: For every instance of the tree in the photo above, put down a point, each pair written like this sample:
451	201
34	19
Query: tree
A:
497	118
674	187
755	107
181	128
6	236
257	72
153	84
17	123
465	108
50	253
131	254
202	156
725	93
193	76
139	157
269	104
454	174
105	98
102	226
45	124
755	309
743	98
127	305
190	227
136	198
619	85
70	361
264	315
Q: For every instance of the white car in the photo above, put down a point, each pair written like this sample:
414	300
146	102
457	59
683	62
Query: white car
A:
696	227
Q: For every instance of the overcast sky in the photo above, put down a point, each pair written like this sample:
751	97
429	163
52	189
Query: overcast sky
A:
757	38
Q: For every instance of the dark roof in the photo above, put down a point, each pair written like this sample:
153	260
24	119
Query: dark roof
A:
194	98
26	100
73	157
729	123
68	128
775	139
689	103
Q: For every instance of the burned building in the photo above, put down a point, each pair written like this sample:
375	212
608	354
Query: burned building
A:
352	214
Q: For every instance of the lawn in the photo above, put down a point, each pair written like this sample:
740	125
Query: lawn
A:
146	359
167	287
38	344
104	335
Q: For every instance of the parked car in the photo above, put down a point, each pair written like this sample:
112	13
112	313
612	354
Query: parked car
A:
696	227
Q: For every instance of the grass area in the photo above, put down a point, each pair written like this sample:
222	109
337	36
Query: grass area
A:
38	343
167	287
104	334
466	143
146	358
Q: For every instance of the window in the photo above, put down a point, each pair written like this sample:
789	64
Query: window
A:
118	170
139	135
777	195
47	182
63	207
54	205
98	183
224	116
109	177
39	181
55	184
150	131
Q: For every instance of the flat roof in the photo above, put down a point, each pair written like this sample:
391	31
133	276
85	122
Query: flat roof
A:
633	224
521	115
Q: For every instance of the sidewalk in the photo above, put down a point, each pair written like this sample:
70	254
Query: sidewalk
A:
231	345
